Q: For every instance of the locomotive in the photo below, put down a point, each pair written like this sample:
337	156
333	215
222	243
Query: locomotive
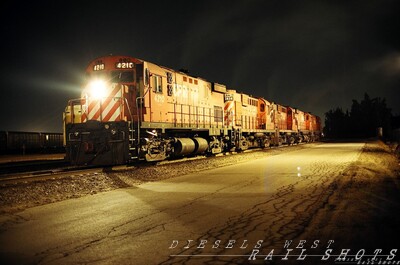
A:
131	109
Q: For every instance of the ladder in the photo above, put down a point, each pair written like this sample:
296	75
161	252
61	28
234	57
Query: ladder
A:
232	138
236	136
133	152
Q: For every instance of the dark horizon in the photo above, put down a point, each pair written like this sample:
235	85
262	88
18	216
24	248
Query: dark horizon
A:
312	55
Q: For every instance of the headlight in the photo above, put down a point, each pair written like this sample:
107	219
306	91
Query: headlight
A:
97	89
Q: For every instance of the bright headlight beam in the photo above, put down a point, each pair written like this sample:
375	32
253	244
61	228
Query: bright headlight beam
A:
97	89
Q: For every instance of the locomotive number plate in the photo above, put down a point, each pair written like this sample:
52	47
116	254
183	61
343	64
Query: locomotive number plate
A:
124	65
228	97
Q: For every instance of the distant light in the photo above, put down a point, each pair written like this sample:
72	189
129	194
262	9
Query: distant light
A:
97	89
298	168
299	174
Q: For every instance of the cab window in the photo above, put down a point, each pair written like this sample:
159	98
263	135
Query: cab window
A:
122	76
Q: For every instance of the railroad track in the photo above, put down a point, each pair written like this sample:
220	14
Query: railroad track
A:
28	166
46	174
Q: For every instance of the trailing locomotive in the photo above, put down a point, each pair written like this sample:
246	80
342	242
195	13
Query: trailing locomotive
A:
132	109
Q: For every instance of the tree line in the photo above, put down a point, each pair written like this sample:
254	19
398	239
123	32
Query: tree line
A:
363	120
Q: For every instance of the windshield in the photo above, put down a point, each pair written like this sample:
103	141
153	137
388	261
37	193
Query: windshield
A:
122	76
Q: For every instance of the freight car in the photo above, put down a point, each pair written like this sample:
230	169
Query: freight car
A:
16	142
131	109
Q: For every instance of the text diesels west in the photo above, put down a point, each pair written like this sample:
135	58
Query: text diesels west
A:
132	109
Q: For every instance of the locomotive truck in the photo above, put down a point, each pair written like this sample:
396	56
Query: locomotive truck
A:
131	109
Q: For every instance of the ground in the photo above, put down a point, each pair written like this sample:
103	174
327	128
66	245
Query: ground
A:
363	210
303	196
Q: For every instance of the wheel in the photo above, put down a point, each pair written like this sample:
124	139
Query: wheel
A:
266	143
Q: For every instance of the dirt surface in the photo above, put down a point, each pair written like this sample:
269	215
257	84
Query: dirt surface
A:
28	194
363	210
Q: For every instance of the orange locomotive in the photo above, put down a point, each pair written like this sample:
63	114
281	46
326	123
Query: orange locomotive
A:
132	109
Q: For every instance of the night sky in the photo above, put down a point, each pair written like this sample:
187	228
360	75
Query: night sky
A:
313	55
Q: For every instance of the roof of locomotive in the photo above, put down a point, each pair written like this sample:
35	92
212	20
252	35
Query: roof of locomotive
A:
113	58
137	60
110	59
